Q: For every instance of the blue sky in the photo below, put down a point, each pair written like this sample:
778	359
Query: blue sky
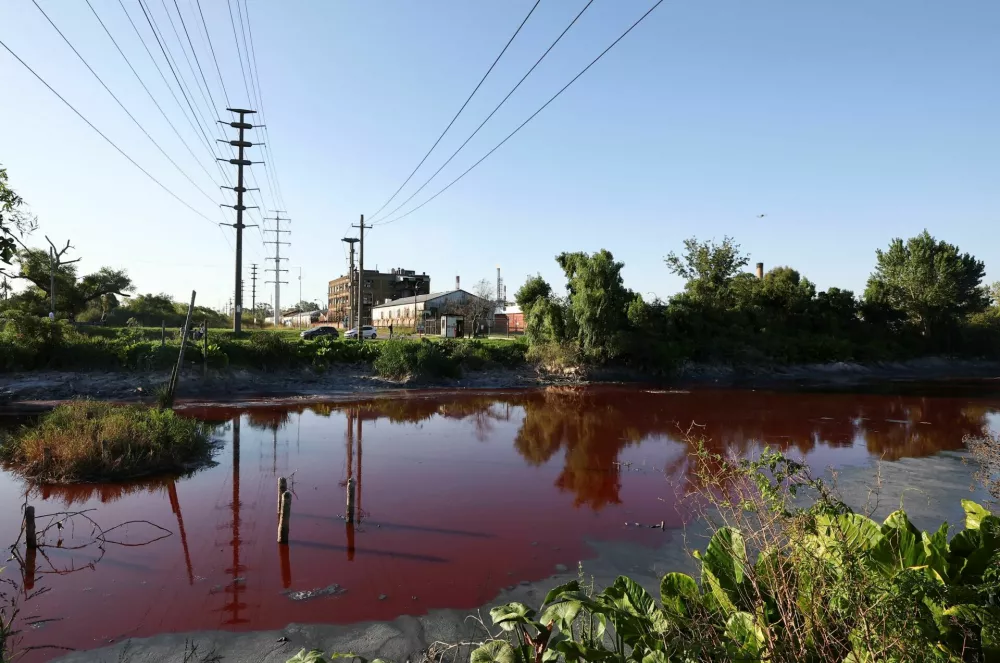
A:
846	123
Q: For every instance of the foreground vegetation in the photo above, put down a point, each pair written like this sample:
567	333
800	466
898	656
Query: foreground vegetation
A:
94	441
31	343
780	583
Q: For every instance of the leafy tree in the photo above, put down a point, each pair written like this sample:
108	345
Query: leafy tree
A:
14	221
305	306
598	300
929	282
708	268
73	294
534	288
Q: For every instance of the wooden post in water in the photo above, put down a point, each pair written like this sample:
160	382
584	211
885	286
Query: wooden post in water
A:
286	515
29	527
175	376
350	500
282	489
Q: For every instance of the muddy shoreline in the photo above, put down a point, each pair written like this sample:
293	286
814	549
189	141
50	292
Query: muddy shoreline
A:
25	390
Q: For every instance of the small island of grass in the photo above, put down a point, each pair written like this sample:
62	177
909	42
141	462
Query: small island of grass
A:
86	441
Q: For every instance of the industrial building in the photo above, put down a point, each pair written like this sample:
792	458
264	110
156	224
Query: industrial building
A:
378	287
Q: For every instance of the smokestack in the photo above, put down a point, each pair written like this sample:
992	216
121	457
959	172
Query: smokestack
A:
458	283
760	271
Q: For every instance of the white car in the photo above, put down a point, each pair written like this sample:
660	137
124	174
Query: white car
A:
367	332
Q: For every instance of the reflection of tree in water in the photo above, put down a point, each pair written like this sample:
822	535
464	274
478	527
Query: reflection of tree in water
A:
592	426
80	493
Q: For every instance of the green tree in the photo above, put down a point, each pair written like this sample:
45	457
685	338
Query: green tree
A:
73	294
598	300
929	282
708	268
534	289
304	306
15	222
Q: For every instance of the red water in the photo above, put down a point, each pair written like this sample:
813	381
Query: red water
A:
460	496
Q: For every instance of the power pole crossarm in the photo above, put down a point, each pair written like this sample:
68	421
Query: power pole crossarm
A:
361	276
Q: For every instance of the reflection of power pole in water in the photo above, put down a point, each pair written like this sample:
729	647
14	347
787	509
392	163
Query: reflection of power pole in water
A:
359	466
175	504
238	583
350	444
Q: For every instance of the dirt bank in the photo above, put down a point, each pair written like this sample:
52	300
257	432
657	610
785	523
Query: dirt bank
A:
231	385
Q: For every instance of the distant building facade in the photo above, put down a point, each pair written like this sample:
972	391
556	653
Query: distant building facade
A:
413	311
378	287
510	320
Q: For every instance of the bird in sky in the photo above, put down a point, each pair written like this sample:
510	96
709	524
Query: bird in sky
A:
761	216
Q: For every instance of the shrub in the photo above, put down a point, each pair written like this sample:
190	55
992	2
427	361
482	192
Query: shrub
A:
555	356
91	441
399	359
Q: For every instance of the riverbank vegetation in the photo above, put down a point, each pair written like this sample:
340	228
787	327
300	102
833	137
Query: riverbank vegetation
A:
789	574
94	441
924	298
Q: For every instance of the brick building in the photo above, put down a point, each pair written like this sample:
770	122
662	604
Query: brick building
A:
378	287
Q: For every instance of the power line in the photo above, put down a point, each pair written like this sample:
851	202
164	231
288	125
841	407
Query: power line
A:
208	36
118	101
213	110
514	89
193	52
255	72
476	89
148	92
533	115
101	134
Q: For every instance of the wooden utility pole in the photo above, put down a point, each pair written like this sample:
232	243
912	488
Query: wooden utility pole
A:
351	291
176	375
277	261
239	162
361	276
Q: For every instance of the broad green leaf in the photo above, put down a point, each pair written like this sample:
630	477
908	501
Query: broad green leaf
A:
571	586
679	593
561	614
726	558
655	657
638	598
510	615
314	656
897	520
973	514
853	530
901	546
495	651
965	543
939	540
745	635
715	596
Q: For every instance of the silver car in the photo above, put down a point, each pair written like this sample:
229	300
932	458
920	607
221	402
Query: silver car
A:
367	332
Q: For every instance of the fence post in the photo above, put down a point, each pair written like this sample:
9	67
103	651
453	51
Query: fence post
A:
350	500
175	376
29	527
204	351
163	333
282	488
286	514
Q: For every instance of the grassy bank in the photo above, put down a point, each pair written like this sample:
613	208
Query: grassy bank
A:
28	344
92	441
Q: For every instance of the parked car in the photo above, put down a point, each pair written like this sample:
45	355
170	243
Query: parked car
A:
317	332
366	332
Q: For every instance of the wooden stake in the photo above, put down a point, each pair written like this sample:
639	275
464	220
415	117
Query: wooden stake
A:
286	515
29	527
350	500
282	488
175	376
204	351
163	333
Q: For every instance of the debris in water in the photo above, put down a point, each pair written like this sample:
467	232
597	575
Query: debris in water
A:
382	597
561	568
282	639
307	594
525	583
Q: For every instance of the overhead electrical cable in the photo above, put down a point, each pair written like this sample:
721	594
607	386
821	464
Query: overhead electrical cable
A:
102	135
492	113
476	89
530	118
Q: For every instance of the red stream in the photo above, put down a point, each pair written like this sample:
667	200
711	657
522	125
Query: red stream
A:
460	496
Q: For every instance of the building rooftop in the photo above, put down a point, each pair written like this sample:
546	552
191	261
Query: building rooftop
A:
420	298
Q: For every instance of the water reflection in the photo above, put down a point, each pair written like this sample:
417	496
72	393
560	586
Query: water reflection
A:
591	427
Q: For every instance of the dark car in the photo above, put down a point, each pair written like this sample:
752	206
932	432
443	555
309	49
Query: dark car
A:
317	332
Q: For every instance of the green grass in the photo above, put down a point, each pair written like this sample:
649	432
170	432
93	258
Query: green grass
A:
86	441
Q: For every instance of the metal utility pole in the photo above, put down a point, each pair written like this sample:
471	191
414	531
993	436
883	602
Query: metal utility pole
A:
253	291
239	162
351	292
361	276
277	261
